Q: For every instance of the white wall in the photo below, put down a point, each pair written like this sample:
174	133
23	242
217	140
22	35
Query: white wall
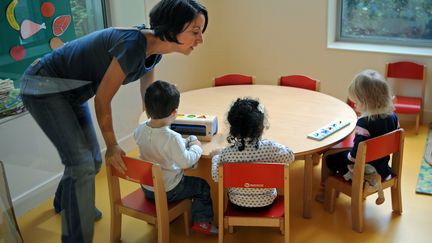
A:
271	38
263	38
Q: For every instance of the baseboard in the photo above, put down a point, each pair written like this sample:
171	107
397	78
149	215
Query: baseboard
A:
39	194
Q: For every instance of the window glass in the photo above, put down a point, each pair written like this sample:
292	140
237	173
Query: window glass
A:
29	29
399	22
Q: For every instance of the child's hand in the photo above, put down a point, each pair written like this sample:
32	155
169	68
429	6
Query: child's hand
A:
215	152
196	142
192	140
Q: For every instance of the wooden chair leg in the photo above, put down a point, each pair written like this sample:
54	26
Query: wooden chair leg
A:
187	222
417	123
325	171
316	159
396	197
329	197
116	224
231	229
282	226
163	232
357	213
286	230
220	232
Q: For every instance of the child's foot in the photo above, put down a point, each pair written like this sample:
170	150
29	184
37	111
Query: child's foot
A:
205	228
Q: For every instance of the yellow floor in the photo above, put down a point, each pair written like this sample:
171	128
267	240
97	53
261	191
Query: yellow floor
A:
414	225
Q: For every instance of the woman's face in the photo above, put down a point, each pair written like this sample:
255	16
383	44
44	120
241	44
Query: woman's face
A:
192	36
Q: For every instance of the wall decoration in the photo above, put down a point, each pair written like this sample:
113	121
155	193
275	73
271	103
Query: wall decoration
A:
47	9
29	28
17	53
56	43
10	15
60	24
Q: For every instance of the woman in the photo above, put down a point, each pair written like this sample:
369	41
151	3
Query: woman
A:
97	65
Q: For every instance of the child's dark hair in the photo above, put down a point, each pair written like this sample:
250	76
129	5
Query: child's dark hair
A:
246	118
161	99
168	17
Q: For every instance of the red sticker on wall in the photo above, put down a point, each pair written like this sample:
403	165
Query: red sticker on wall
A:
47	9
60	24
17	53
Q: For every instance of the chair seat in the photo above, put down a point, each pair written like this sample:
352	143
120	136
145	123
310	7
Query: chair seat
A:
276	210
407	105
348	142
137	201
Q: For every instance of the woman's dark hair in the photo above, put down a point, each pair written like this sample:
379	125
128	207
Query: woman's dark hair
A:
168	17
161	99
246	118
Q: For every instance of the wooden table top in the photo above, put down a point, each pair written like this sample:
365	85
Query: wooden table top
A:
292	114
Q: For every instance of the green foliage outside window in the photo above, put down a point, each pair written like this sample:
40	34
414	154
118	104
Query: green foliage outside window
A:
406	22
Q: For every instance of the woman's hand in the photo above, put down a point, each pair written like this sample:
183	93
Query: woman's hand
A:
113	157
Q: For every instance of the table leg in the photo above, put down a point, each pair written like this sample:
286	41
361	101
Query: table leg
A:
307	190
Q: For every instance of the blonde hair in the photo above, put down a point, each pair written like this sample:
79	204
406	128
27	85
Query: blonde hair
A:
372	92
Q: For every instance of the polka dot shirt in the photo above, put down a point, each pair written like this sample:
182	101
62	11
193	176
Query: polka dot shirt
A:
268	151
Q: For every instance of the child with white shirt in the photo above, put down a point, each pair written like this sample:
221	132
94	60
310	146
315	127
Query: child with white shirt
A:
158	143
247	120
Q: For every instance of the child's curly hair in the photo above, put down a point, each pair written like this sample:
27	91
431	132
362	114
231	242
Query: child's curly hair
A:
247	119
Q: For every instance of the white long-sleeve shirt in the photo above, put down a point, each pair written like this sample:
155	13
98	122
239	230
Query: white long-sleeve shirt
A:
167	148
268	151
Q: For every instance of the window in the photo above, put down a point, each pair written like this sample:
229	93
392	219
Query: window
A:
387	26
32	28
399	22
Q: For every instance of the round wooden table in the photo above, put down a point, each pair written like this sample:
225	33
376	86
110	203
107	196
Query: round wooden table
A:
292	113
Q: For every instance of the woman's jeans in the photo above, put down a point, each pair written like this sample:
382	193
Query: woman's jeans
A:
68	125
194	188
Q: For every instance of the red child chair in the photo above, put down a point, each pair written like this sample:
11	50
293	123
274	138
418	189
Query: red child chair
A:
408	73
135	204
300	81
233	79
254	175
391	143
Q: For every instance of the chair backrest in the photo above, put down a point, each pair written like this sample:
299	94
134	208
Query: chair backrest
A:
233	79
300	81
391	143
408	71
351	103
253	175
142	172
138	171
9	230
257	175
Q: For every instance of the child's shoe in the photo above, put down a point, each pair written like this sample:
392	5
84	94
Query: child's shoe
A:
205	228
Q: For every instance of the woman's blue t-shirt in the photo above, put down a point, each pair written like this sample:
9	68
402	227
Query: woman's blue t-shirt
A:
87	58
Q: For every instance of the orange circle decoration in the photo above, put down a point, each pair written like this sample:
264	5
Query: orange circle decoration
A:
17	53
47	9
56	43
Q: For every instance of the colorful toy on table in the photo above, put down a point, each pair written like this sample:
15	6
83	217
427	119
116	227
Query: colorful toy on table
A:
326	131
202	126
